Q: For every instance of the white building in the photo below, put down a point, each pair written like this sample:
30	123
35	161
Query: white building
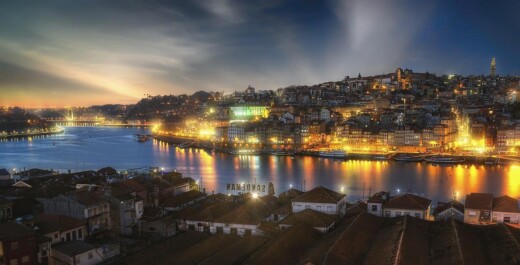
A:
505	210
322	200
76	252
381	204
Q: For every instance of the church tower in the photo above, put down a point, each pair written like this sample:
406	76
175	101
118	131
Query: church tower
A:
493	67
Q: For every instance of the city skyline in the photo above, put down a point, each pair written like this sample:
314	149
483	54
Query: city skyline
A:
59	54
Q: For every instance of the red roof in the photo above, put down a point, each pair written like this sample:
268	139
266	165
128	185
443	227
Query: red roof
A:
409	202
320	195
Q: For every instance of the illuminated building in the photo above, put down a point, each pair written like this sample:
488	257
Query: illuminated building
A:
248	112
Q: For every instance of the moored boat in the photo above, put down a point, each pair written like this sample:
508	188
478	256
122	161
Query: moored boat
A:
248	152
379	157
439	159
282	153
333	153
408	158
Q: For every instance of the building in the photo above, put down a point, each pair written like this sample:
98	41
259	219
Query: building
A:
245	219
82	253
376	201
18	245
321	200
320	221
86	205
478	208
449	210
505	210
6	209
381	204
407	204
4	174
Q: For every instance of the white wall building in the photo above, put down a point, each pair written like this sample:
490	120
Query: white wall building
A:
322	200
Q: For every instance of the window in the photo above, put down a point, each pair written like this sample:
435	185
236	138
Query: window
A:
25	259
14	245
417	215
329	208
68	236
318	208
307	206
507	219
407	213
56	235
387	213
80	233
90	255
397	213
472	213
374	208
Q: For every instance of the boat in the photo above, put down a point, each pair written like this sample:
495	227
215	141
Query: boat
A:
333	153
491	161
408	158
379	157
142	138
439	159
282	153
247	152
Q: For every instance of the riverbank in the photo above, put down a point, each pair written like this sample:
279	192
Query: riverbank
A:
208	145
33	134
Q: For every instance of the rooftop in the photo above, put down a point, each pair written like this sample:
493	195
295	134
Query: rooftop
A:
506	204
310	217
320	195
73	248
483	201
408	201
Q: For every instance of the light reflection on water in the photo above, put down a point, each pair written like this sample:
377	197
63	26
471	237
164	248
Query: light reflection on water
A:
95	147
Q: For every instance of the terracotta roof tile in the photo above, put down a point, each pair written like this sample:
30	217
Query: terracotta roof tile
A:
320	195
482	201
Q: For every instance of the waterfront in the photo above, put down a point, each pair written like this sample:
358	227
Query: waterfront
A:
81	148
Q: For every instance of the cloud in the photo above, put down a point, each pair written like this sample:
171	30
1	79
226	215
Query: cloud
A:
118	51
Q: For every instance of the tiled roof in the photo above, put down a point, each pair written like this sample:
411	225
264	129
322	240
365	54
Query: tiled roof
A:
14	231
87	198
183	198
62	222
310	217
320	195
506	204
408	201
482	201
73	247
292	193
443	206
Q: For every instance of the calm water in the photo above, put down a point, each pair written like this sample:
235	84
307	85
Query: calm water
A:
82	148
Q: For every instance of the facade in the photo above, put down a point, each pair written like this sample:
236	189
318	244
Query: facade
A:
6	209
77	252
478	208
89	206
321	200
449	210
381	204
505	210
18	245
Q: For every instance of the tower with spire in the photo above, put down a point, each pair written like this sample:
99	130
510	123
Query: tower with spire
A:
493	67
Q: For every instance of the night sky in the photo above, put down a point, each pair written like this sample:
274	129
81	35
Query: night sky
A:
59	53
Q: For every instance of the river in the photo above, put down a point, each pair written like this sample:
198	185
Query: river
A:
83	148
